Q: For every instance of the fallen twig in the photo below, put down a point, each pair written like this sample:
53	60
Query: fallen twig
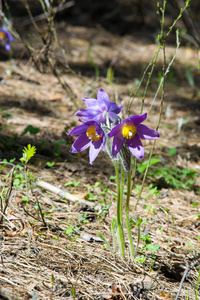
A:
7	197
187	270
44	17
63	194
8	281
40	210
183	279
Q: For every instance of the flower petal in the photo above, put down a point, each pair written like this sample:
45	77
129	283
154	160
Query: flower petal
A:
90	102
135	146
88	113
7	46
94	151
114	108
78	130
113	117
115	130
137	119
103	100
145	132
98	129
100	118
9	36
81	143
118	142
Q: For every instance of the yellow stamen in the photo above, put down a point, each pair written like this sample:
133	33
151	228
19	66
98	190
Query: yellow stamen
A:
2	35
128	131
91	133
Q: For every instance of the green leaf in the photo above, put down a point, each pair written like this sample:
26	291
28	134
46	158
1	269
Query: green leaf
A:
189	77
195	204
139	221
50	164
31	129
52	278
28	153
143	166
105	240
12	160
69	230
147	207
141	259
110	74
73	292
172	151
152	248
25	199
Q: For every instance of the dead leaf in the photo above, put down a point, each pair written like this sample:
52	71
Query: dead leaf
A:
165	296
114	292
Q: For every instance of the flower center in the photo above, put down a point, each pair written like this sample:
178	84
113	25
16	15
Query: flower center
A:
91	133
2	35
128	131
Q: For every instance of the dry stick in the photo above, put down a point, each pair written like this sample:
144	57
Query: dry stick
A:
47	40
29	214
183	279
161	85
40	210
14	166
187	270
55	10
1	203
9	281
8	195
45	49
160	114
11	225
137	90
189	21
166	72
49	187
31	16
51	201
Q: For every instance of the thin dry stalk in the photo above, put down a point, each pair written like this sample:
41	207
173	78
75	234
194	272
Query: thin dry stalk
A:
7	196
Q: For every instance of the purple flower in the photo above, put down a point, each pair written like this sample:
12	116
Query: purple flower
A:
98	109
131	130
90	135
6	36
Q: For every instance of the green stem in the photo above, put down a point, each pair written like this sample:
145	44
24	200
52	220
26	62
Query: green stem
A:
138	240
127	215
113	226
121	194
120	232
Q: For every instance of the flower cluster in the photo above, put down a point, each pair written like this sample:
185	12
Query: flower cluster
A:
100	117
6	37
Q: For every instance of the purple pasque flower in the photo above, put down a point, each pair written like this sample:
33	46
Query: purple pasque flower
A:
90	135
131	131
98	109
6	36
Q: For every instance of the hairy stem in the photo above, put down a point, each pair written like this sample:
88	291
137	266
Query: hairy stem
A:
127	215
120	231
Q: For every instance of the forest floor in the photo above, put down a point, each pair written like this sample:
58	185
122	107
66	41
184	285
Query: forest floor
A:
62	256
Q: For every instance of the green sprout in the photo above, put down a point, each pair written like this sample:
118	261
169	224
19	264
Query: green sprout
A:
28	153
